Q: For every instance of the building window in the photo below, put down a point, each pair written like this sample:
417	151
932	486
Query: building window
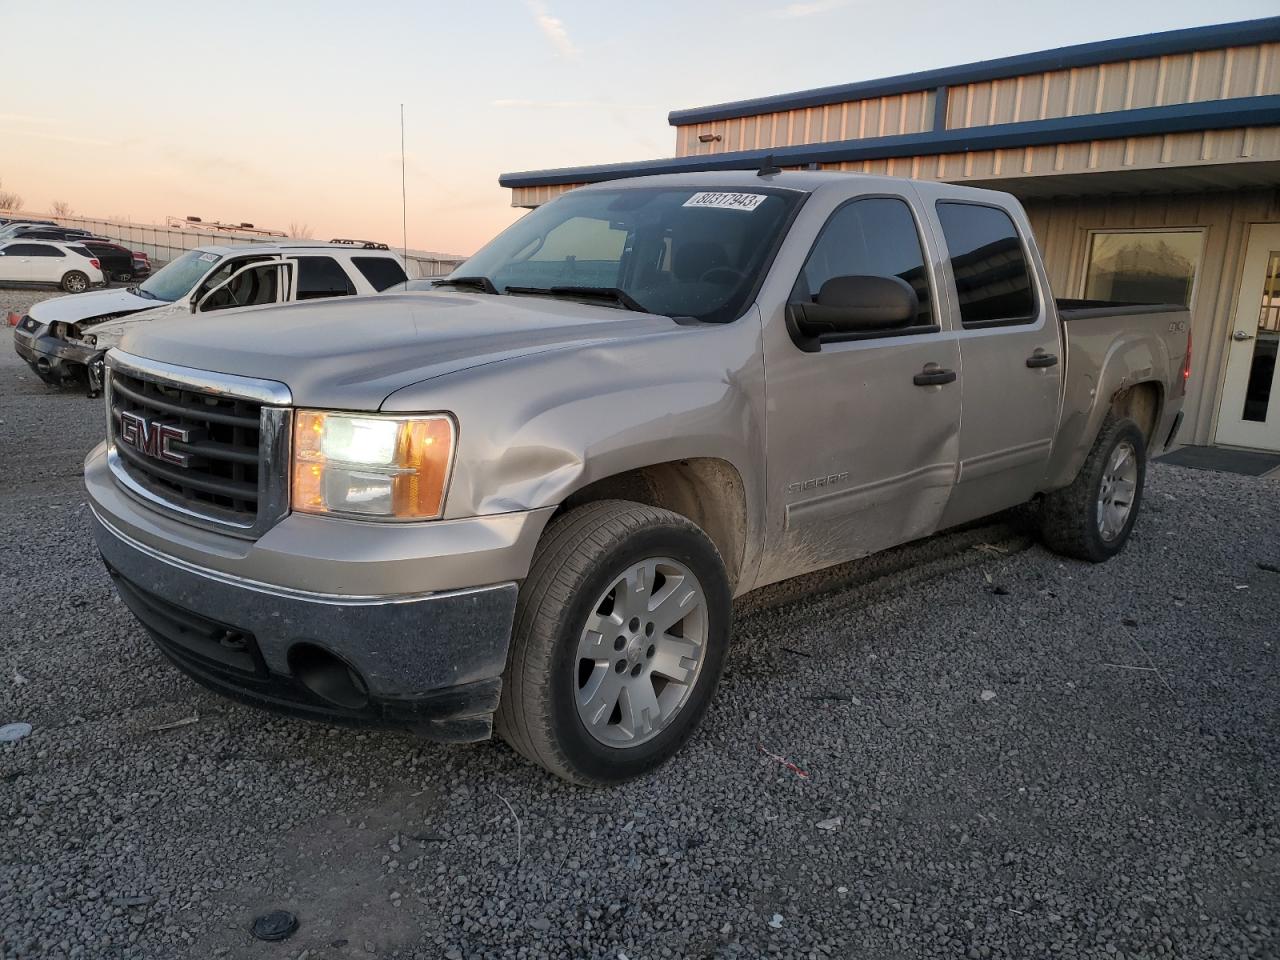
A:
1143	267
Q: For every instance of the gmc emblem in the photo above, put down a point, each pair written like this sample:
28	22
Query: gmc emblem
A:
153	438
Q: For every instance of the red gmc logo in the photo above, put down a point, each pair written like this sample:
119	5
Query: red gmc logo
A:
152	438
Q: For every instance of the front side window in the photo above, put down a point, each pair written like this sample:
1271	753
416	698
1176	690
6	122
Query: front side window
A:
677	251
251	288
993	279
381	272
1143	267
176	279
320	277
875	237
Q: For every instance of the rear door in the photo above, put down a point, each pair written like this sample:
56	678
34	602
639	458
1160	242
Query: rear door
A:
1010	355
862	432
45	262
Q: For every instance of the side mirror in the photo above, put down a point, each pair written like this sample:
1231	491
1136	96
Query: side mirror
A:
851	306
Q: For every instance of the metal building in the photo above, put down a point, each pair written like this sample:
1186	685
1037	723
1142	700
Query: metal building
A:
1150	167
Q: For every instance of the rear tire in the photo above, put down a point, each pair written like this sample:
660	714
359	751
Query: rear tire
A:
73	281
1092	518
599	686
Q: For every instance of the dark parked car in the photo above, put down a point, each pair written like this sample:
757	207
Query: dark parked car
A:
55	233
9	221
118	262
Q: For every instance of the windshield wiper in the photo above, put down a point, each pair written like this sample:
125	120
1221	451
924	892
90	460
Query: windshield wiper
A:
483	284
616	294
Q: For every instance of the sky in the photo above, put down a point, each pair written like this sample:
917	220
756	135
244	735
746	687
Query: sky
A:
285	113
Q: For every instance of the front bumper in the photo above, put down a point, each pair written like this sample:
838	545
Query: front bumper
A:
56	361
393	610
430	663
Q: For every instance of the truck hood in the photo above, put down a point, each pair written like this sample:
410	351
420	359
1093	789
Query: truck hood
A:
85	306
353	352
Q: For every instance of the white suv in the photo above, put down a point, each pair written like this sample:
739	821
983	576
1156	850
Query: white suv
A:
62	338
67	265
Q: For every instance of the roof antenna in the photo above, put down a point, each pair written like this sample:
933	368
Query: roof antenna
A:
768	168
404	204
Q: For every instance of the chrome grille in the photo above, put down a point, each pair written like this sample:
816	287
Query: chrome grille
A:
203	446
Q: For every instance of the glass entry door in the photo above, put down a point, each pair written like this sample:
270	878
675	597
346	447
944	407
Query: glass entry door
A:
1250	413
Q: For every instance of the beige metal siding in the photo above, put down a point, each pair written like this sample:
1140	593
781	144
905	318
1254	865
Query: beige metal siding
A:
536	196
1062	228
880	117
1246	71
1175	150
1150	82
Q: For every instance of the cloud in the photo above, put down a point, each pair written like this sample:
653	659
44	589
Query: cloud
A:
552	28
794	11
568	105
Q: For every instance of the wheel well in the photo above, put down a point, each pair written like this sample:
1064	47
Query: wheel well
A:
1141	404
705	490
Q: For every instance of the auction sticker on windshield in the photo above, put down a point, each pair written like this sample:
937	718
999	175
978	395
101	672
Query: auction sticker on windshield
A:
726	201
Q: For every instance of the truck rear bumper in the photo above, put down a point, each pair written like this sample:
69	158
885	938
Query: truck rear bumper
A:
430	662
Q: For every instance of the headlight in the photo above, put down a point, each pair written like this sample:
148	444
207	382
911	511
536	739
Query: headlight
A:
91	339
363	465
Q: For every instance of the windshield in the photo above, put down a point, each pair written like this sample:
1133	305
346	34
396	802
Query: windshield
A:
175	279
673	250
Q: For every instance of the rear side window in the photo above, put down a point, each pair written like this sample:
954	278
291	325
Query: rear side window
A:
381	272
32	250
84	252
992	277
875	237
320	277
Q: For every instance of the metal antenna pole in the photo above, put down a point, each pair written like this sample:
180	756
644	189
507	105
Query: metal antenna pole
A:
404	203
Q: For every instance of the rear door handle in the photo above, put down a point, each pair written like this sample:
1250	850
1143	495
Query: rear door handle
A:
933	376
1042	359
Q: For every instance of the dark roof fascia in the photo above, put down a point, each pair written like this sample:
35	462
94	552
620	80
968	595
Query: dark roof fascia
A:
1146	121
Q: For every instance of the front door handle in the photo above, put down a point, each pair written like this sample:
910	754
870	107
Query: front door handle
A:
1241	335
933	376
1042	359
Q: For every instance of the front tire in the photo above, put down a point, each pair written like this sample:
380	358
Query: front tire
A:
620	637
75	282
1093	517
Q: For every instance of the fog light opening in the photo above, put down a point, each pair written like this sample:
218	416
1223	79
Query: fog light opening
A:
328	677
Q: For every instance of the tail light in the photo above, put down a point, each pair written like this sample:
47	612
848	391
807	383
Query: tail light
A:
1186	365
95	264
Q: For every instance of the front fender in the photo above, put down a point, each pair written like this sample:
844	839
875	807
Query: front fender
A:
534	429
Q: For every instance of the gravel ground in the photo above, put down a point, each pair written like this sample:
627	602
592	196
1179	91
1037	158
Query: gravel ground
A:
996	754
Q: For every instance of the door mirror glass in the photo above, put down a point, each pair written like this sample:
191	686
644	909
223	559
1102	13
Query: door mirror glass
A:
853	305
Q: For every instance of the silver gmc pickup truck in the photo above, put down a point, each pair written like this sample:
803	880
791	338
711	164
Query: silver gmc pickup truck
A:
525	499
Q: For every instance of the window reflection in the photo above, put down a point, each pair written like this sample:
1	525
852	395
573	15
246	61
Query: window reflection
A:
1154	267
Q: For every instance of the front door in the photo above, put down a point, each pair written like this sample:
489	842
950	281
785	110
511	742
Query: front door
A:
863	428
1250	413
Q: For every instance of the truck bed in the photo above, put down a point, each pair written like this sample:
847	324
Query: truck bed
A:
1111	348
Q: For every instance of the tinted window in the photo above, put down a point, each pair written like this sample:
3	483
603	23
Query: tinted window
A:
876	237
32	250
322	277
381	272
990	268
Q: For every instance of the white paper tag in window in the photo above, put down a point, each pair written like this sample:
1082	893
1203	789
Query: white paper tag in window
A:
209	258
726	201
